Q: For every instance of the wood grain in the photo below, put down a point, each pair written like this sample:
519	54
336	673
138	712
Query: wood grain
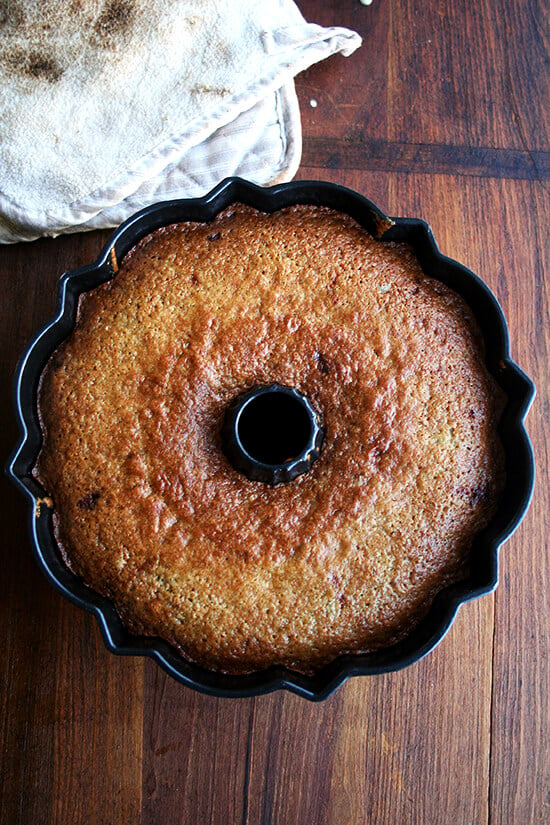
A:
442	114
195	755
521	693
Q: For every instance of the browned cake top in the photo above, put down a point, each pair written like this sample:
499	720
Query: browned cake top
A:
236	573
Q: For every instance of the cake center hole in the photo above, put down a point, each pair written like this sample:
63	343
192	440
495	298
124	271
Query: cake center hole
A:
274	427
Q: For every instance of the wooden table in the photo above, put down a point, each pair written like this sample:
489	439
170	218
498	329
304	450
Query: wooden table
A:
443	114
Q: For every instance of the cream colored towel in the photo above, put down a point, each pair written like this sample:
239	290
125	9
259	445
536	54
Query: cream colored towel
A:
108	105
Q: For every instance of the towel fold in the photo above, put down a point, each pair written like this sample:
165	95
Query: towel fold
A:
119	104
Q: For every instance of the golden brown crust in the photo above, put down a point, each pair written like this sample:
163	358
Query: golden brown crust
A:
237	574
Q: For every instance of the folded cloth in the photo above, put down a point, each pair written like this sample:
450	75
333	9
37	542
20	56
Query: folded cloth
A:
109	105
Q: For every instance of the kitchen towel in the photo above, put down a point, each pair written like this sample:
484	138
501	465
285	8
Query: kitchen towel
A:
106	107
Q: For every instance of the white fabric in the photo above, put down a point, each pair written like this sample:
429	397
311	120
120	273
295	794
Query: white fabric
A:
192	91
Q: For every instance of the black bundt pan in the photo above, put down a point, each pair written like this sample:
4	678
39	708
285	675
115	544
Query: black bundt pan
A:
484	555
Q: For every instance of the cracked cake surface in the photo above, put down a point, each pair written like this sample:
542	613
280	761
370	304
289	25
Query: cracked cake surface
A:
236	574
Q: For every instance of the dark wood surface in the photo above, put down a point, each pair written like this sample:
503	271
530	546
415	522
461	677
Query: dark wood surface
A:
442	114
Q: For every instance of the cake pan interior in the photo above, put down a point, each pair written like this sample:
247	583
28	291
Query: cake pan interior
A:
513	502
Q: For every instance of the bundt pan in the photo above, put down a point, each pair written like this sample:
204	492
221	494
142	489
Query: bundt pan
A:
484	554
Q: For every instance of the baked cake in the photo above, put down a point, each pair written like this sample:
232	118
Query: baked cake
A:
238	574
